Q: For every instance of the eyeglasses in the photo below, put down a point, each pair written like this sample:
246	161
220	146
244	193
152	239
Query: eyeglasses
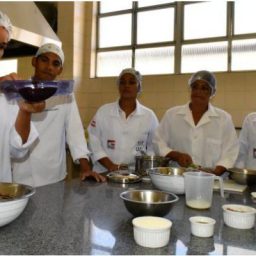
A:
3	46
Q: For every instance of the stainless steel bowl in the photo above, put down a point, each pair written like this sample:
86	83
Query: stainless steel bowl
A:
243	176
14	191
148	202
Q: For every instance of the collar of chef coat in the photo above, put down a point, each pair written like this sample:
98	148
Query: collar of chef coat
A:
206	118
137	111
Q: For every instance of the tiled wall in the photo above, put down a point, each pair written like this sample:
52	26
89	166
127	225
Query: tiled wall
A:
236	92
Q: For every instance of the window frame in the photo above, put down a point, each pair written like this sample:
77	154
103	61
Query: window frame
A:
178	41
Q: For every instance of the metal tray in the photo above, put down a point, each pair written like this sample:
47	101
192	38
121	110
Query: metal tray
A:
123	177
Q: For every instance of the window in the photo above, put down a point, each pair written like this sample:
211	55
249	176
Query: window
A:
168	37
8	66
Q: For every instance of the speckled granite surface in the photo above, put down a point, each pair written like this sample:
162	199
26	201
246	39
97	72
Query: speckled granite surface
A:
89	218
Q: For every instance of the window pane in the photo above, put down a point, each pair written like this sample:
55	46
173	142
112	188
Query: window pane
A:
111	6
155	60
115	30
210	56
8	66
244	55
245	18
111	63
203	20
155	26
152	2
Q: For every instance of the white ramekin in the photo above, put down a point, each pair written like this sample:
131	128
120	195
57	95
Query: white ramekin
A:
239	216
202	226
152	232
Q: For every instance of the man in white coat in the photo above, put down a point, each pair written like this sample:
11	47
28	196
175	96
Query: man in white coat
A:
123	129
247	142
198	133
16	132
59	124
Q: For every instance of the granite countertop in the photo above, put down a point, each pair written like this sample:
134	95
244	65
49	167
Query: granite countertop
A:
90	218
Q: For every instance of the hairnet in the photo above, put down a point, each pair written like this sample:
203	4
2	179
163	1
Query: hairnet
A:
6	23
206	76
133	72
51	48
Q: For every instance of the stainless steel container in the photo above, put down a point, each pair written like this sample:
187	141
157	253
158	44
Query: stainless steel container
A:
145	162
243	176
148	202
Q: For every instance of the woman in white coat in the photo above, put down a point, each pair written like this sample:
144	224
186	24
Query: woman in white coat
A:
16	132
198	133
247	142
123	129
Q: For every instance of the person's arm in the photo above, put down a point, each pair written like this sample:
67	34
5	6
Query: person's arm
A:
244	142
229	146
76	141
153	125
108	164
11	76
22	123
95	143
182	159
86	171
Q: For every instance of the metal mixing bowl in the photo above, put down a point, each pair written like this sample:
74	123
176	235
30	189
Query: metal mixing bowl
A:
148	202
13	200
243	176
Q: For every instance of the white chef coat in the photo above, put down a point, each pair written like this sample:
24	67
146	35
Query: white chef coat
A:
112	135
58	124
10	141
213	141
247	141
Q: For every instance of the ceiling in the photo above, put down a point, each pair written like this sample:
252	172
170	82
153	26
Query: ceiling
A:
19	49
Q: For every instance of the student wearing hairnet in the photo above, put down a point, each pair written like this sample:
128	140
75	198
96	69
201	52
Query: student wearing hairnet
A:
59	124
247	141
123	129
16	132
198	133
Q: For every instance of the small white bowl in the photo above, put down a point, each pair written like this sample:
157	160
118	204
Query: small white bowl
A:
152	232
239	216
253	194
202	226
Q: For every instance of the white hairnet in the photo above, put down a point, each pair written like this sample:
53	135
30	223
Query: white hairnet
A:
206	76
49	47
6	23
133	72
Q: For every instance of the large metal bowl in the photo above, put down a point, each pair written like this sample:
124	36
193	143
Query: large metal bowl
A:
148	202
168	179
243	176
13	200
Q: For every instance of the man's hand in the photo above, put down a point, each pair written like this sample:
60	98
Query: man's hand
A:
31	107
182	159
219	170
95	175
11	76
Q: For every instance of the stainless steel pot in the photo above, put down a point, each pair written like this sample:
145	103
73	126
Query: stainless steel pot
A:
243	176
145	162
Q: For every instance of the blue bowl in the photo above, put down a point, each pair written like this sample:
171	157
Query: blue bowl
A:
35	91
